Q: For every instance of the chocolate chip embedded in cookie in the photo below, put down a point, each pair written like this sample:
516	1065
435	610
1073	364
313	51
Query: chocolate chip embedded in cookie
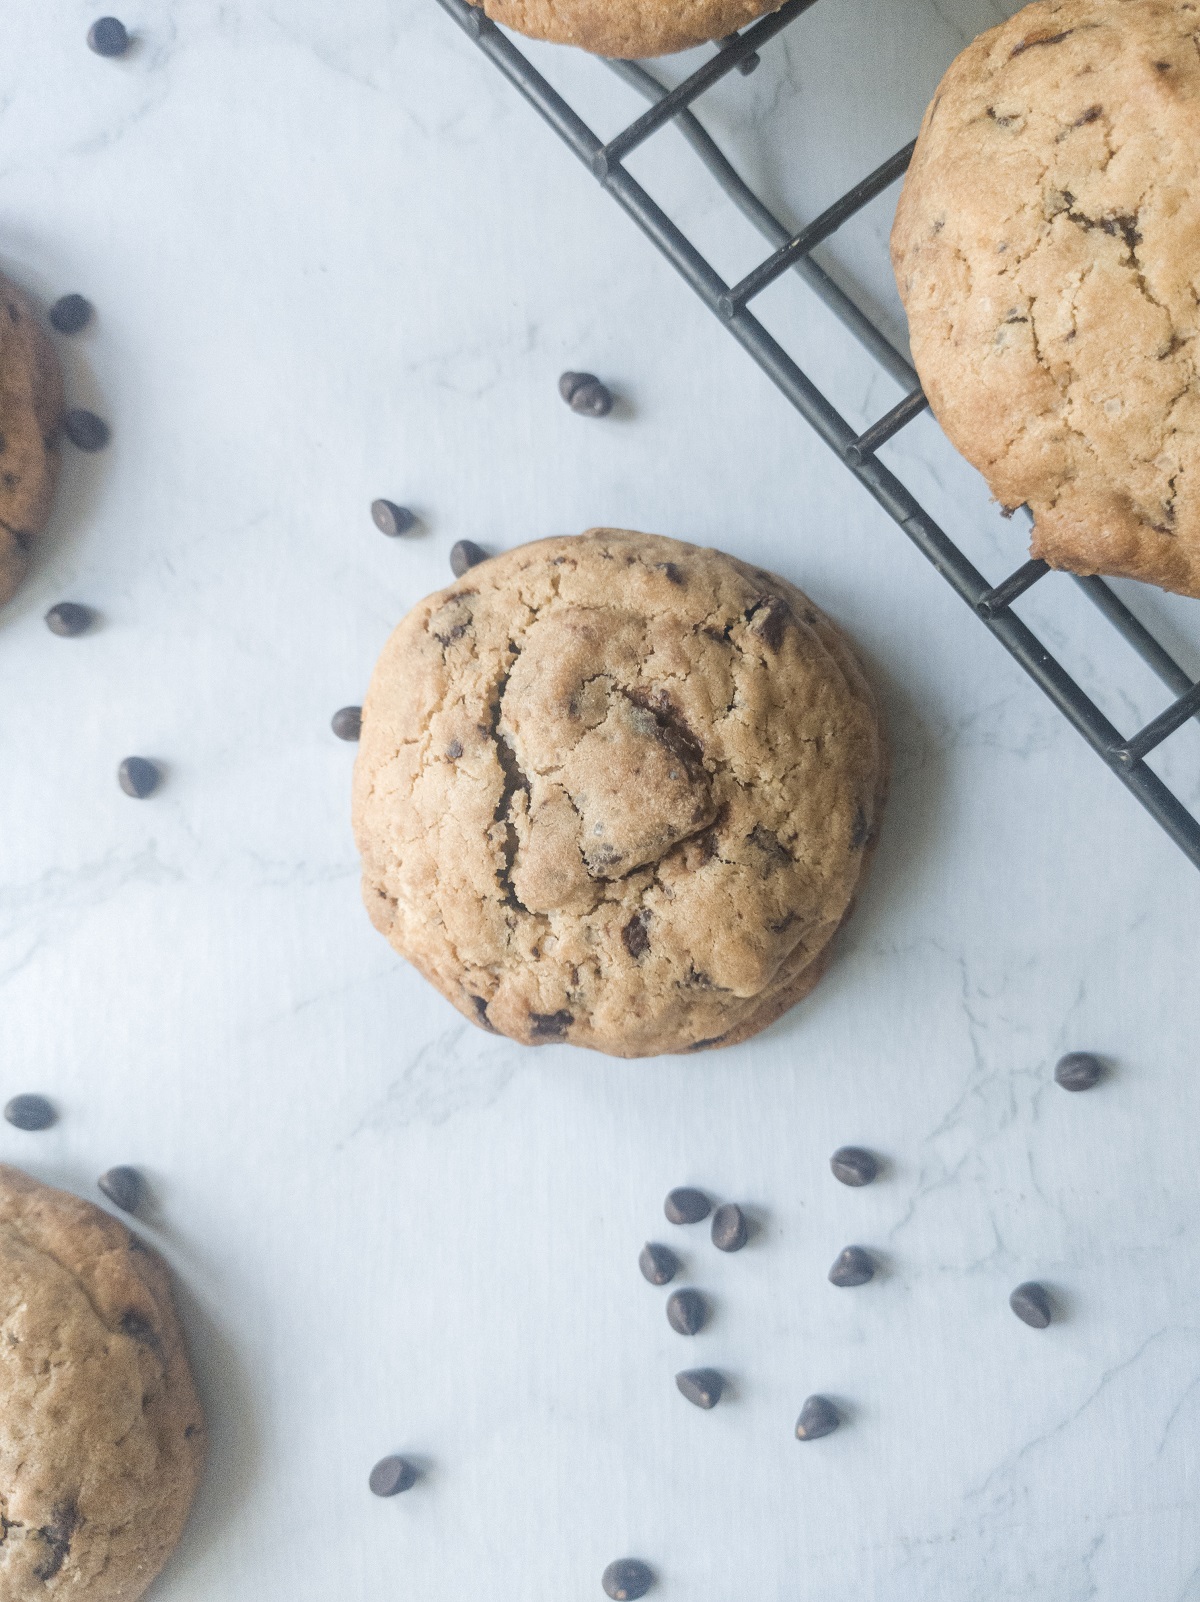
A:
1047	248
629	29
101	1436
618	791
31	407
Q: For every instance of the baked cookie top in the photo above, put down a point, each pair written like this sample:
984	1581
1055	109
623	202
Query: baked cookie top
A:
31	407
101	1436
617	790
1047	248
629	29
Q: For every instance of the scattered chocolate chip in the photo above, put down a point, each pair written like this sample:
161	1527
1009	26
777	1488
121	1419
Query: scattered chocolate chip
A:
346	722
658	1264
701	1386
454	750
108	37
1031	1304
391	519
391	1475
853	1267
465	554
686	1312
138	777
584	393
68	618
123	1187
686	1206
550	1025
634	936
139	1328
853	1166
626	1579
85	430
817	1417
30	1112
70	313
729	1231
1079	1070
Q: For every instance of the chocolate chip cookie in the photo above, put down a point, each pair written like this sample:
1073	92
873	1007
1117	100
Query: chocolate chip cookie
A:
1047	248
101	1435
31	407
617	790
629	29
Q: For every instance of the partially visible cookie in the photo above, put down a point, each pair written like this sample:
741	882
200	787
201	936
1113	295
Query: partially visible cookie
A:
617	790
101	1436
1047	249
31	407
629	29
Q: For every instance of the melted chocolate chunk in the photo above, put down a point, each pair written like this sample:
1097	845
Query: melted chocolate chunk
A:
550	1025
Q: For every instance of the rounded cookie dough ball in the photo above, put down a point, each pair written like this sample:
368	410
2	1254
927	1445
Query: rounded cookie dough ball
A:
31	409
617	790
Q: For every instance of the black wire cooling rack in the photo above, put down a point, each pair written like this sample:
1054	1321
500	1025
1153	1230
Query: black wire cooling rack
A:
991	603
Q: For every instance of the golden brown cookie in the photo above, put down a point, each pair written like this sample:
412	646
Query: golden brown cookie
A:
617	790
629	29
101	1435
1047	248
31	407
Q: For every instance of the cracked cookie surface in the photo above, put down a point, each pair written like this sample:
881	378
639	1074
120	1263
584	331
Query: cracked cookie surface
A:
629	29
101	1436
1047	249
617	790
31	407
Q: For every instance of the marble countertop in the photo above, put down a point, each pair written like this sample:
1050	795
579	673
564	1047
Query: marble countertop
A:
334	257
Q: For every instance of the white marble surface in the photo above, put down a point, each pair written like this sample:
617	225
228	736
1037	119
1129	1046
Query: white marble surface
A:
334	257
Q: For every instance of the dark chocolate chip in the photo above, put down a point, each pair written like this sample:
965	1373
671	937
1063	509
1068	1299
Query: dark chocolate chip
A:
108	37
139	1328
465	554
69	618
584	393
123	1187
818	1417
686	1206
550	1025
1079	1070
634	936
85	430
626	1579
391	1475
701	1386
729	1231
70	313
853	1166
391	519
346	722
138	777
853	1267
686	1312
30	1112
658	1264
454	750
1031	1304
57	1536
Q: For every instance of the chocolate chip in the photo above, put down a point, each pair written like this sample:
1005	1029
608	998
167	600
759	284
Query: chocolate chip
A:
853	1267
626	1579
729	1231
139	1328
346	722
108	37
658	1264
634	936
85	430
391	519
138	777
550	1025
687	1312
123	1187
701	1386
70	313
1031	1304
391	1475
454	750
68	618
584	393
465	554
686	1206
1079	1070
30	1112
853	1166
818	1417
